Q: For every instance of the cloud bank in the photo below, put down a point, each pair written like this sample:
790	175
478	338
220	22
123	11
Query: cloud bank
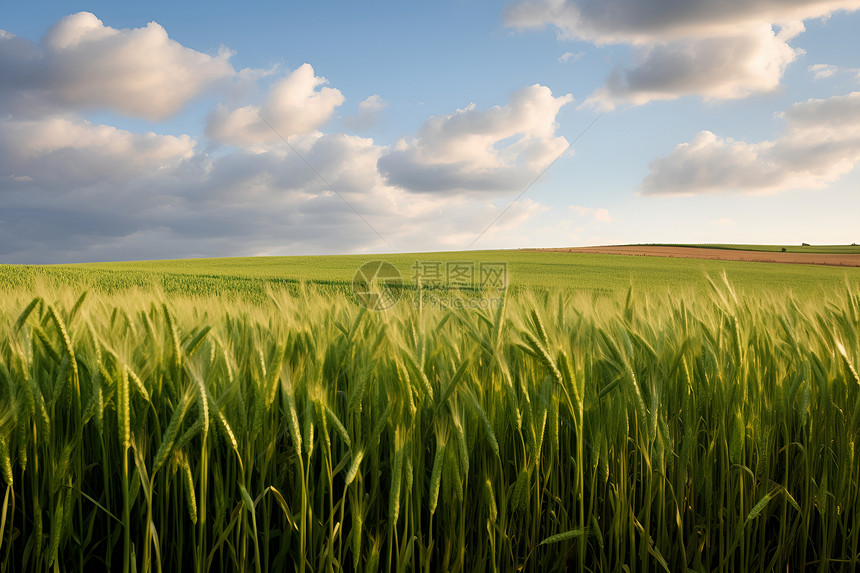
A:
821	142
73	189
716	50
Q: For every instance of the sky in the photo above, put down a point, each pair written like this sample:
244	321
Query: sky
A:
163	130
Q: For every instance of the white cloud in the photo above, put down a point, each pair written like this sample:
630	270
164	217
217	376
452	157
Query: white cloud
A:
89	200
823	71
598	215
61	151
821	143
570	57
374	103
499	149
83	64
296	105
77	191
368	113
714	68
642	22
719	50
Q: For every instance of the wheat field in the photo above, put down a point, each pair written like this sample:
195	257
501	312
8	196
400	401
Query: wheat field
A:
553	431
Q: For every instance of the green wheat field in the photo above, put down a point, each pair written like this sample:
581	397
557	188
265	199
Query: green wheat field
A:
604	413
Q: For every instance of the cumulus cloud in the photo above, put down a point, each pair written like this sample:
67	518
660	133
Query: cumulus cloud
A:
714	68
296	105
821	142
146	196
498	149
368	113
718	50
60	151
651	21
82	64
76	191
73	190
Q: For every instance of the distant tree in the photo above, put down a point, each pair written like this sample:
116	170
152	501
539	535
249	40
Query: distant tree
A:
783	249
804	244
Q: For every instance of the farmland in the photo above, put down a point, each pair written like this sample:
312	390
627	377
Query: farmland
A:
250	277
763	254
823	249
605	411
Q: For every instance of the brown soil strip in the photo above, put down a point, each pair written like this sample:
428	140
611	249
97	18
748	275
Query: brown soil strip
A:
837	260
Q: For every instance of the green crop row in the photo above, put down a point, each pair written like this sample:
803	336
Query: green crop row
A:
250	278
145	432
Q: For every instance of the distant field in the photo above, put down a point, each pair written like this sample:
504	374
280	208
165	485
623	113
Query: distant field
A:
250	277
822	249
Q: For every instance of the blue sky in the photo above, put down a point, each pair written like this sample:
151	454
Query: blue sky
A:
167	130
